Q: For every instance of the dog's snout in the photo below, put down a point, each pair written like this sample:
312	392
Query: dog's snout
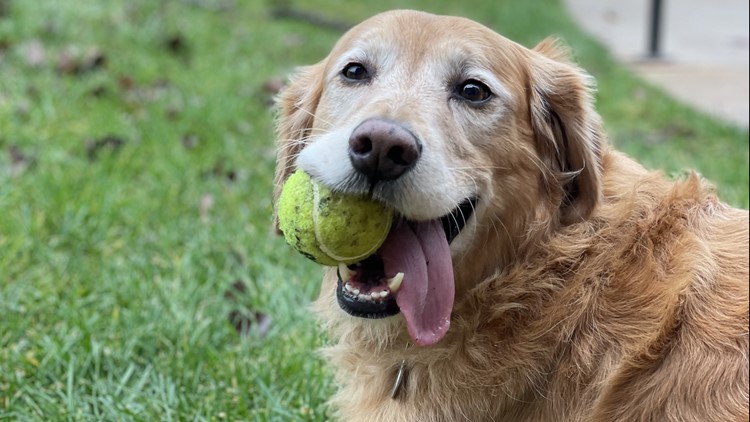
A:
382	149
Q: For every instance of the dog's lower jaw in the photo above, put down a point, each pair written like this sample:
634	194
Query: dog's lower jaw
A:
381	306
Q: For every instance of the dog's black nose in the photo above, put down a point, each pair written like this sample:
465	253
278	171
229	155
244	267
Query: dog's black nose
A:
382	149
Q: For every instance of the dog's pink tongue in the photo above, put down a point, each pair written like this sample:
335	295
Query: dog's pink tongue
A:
421	252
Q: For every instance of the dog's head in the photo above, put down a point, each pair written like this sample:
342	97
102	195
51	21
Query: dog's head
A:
480	145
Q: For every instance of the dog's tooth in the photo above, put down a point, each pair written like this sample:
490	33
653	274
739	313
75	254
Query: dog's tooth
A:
348	287
394	283
375	295
355	291
363	297
383	294
344	272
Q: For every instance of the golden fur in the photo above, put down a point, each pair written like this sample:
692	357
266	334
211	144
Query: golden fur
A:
587	287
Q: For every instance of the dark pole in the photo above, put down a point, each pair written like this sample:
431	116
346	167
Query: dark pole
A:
654	33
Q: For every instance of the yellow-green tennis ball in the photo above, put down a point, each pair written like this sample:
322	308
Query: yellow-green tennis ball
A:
327	227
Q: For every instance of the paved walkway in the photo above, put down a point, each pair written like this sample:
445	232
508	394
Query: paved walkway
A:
704	46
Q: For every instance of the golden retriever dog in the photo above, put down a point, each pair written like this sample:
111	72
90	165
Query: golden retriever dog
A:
534	273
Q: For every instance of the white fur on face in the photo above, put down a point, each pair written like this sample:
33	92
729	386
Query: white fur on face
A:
418	93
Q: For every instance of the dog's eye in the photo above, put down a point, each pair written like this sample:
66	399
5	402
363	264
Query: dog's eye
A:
355	72
473	91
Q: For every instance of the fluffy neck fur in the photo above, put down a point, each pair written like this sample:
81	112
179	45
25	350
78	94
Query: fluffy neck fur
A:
553	321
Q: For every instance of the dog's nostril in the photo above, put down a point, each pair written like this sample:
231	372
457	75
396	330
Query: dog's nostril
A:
398	156
382	149
361	145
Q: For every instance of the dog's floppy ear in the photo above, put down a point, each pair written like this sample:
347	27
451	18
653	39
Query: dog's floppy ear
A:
567	130
296	104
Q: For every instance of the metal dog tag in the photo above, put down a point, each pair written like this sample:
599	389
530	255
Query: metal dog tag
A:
399	381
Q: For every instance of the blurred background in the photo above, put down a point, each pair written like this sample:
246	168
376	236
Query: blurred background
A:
697	50
139	277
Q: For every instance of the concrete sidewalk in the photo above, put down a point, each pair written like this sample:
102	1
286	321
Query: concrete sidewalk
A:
704	46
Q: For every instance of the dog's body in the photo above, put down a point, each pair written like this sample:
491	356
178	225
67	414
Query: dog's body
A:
586	287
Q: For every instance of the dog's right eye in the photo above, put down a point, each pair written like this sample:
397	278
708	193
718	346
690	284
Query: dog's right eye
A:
355	72
473	91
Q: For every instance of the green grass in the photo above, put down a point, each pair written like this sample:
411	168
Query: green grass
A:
113	266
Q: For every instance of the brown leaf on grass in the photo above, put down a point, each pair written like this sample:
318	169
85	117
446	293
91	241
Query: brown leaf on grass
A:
98	91
72	62
126	82
218	170
109	142
19	161
176	45
172	113
245	321
238	288
135	93
93	60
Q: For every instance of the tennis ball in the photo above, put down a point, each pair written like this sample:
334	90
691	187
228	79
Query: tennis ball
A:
328	227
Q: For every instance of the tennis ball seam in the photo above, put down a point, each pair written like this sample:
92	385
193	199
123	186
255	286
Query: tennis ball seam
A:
319	237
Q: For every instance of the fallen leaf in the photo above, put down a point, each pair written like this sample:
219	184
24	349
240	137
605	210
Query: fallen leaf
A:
126	82
72	62
172	113
19	161
135	93
218	170
245	321
95	146
237	288
98	91
176	45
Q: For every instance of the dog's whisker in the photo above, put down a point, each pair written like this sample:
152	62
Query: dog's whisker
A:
508	236
479	168
315	116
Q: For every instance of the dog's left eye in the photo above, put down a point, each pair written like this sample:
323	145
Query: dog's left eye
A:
355	72
473	91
